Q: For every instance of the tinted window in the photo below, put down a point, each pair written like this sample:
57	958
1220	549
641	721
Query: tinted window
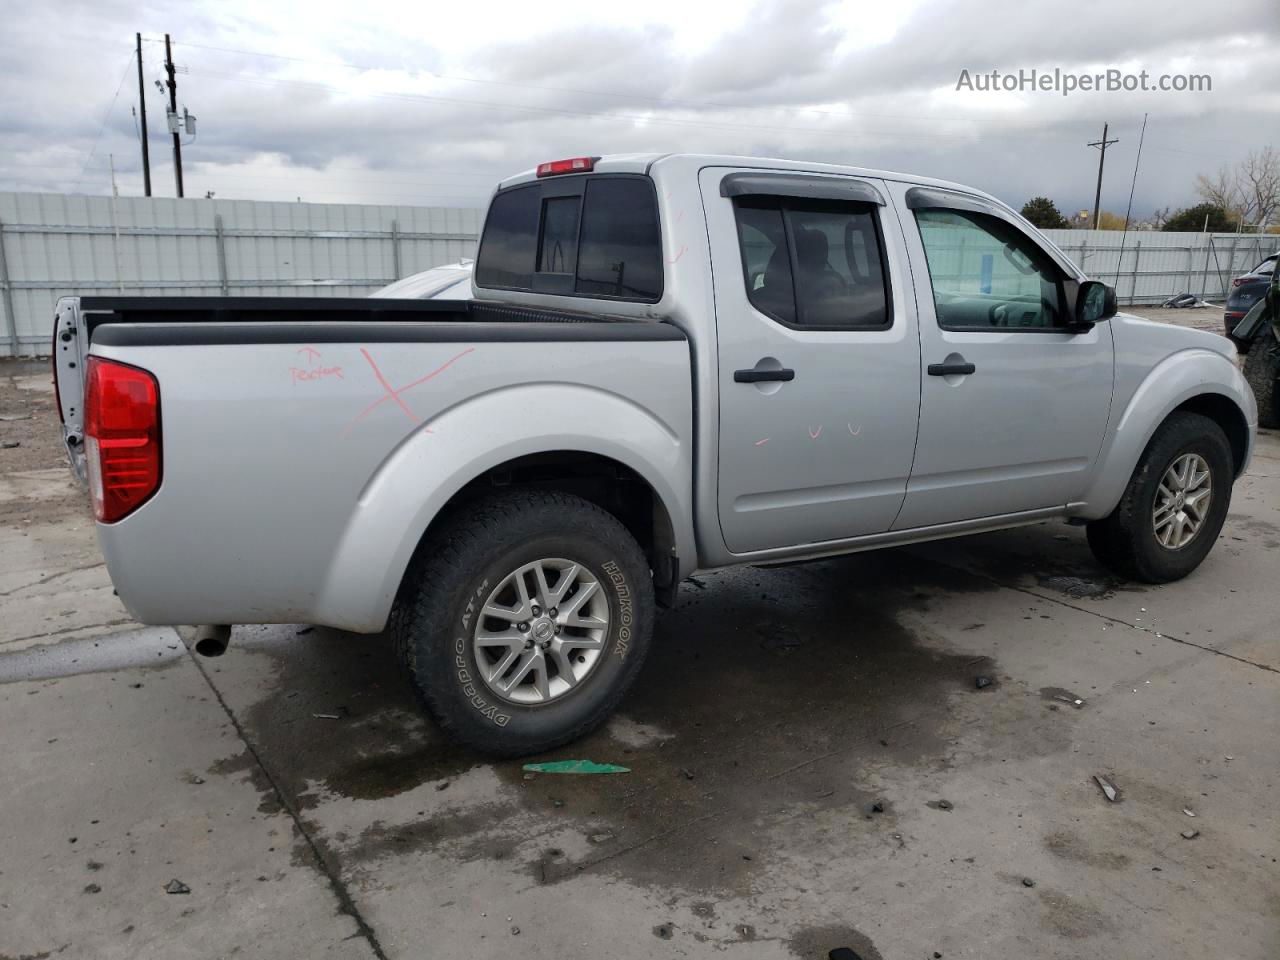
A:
765	262
837	284
510	241
814	263
620	251
558	250
987	273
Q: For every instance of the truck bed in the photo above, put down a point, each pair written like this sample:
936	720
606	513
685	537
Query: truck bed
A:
307	442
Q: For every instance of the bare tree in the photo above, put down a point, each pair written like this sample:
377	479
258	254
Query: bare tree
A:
1220	190
1250	192
1259	185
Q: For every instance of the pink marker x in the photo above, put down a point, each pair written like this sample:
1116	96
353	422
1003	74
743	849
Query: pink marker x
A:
395	394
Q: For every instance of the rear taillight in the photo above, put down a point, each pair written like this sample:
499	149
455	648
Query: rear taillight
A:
573	165
1236	281
121	437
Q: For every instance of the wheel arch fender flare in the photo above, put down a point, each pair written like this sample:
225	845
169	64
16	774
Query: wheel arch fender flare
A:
1185	380
429	467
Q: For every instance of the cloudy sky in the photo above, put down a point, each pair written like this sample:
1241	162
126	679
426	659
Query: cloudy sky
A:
430	103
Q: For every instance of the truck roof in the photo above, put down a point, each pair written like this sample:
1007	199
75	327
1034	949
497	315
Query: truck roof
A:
652	162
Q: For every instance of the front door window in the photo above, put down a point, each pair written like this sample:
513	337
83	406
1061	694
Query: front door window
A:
988	274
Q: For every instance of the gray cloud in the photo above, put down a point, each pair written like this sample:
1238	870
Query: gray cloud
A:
788	80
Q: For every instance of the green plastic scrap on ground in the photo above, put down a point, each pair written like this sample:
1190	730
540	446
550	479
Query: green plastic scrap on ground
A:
575	766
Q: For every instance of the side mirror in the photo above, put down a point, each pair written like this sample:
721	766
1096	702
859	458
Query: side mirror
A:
1095	302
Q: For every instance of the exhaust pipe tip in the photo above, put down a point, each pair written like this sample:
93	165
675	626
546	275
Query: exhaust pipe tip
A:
212	639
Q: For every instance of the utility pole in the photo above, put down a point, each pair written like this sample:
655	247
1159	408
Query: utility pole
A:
1097	196
173	115
142	109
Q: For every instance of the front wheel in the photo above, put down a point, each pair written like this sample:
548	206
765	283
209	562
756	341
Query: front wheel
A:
1174	505
525	620
1261	368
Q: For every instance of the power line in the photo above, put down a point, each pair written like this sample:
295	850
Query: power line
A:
672	101
564	111
107	116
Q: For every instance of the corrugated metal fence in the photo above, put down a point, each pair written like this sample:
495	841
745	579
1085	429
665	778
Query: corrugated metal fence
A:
54	245
1154	266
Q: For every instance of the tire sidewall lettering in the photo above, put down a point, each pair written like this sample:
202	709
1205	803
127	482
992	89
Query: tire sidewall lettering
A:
626	611
462	667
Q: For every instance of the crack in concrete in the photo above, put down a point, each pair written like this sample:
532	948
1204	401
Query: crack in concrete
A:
1096	613
50	578
64	630
345	900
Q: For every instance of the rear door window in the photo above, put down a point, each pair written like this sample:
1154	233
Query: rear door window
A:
763	238
814	263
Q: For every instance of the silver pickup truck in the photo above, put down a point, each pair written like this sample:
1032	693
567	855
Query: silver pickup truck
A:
668	364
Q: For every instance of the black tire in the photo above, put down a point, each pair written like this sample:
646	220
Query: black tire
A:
452	579
1125	541
1261	367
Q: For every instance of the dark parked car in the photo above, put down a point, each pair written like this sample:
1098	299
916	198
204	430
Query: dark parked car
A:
1258	337
1246	290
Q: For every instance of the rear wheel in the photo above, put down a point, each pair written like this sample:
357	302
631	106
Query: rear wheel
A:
525	621
1174	505
1261	368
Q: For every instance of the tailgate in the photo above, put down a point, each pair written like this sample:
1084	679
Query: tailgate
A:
70	348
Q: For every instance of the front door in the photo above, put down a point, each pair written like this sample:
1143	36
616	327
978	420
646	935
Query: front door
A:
1014	406
819	362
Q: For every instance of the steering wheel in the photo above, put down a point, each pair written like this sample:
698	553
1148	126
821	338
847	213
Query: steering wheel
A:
998	315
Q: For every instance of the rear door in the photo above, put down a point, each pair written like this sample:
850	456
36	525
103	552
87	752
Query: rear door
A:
1014	405
818	357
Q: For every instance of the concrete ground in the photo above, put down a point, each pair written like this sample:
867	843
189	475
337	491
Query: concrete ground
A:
813	765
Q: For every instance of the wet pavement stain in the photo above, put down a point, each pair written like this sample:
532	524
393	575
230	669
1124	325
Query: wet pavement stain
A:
380	746
245	763
1071	846
1061	695
1072	918
389	773
1238	523
755	731
1062	563
1078	587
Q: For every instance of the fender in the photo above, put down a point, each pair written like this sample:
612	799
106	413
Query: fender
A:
420	476
1178	378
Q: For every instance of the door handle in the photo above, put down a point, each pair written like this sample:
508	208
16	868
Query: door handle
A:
756	375
950	369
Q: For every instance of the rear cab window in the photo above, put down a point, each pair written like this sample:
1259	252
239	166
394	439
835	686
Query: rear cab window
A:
593	235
